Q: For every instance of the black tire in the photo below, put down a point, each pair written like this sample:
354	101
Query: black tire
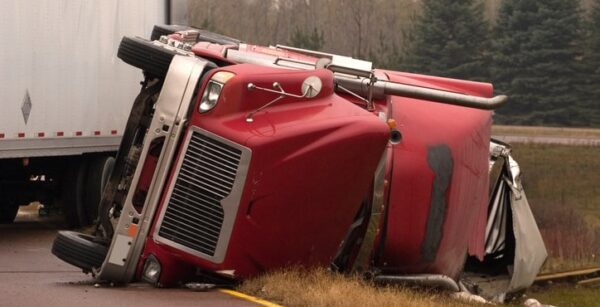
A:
79	250
73	189
98	172
143	54
8	212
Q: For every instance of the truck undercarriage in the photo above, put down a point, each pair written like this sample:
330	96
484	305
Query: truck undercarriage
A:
240	159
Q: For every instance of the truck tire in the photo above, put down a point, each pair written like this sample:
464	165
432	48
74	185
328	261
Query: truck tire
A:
98	172
152	59
79	250
73	189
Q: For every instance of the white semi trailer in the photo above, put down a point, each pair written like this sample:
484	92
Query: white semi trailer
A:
65	97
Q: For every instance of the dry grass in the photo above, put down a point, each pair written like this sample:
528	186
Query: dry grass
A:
561	182
546	131
566	296
319	287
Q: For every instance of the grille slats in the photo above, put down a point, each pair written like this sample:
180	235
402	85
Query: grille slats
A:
214	144
211	166
229	156
197	202
202	246
202	184
194	215
212	151
217	161
201	175
192	233
183	210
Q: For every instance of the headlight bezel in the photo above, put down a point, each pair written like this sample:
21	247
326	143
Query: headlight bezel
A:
212	91
152	270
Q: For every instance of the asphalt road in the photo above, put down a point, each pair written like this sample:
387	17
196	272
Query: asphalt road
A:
31	276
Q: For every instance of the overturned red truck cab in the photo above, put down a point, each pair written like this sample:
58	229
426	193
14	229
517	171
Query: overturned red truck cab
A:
240	159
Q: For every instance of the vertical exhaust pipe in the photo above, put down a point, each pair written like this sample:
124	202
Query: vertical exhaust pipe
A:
379	89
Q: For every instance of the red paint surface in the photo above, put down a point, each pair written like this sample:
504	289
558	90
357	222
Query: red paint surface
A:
312	164
466	132
211	51
281	53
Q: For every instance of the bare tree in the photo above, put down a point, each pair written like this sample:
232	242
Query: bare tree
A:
349	27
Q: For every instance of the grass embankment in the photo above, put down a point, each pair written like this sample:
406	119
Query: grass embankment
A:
566	296
562	185
546	131
296	287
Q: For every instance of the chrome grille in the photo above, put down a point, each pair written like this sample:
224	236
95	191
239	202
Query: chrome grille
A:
194	214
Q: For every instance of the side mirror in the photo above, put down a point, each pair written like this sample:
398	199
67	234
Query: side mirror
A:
311	86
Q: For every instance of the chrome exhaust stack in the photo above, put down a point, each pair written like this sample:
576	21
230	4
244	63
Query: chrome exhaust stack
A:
356	76
378	89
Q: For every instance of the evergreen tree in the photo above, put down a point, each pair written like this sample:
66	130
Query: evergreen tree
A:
449	38
536	62
311	41
591	67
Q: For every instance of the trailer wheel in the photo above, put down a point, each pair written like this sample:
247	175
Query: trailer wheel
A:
98	173
73	188
152	59
79	250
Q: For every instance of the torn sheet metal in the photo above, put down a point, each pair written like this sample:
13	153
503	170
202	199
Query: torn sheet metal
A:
530	252
511	232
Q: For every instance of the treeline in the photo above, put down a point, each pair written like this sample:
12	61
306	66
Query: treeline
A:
350	27
544	54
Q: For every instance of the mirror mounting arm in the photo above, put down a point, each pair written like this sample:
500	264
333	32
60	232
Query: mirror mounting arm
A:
372	80
277	89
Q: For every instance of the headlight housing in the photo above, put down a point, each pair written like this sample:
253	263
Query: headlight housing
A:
213	89
152	270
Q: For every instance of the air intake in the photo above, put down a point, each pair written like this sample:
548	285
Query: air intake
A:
194	214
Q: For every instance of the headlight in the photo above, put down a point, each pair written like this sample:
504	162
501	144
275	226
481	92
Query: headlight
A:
211	94
151	272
